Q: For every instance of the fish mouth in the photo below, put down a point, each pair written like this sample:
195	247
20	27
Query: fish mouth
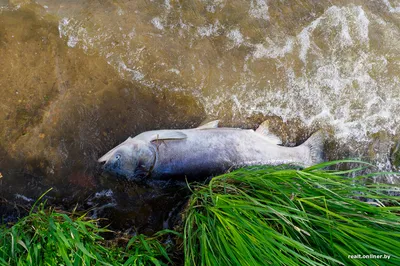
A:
110	169
104	165
105	157
111	166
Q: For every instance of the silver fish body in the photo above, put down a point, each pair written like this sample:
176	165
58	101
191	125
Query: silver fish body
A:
204	152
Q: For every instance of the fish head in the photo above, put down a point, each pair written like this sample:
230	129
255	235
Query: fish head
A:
131	159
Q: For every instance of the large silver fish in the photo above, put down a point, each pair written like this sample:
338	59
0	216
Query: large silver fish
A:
204	151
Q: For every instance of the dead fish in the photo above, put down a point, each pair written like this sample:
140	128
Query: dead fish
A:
205	151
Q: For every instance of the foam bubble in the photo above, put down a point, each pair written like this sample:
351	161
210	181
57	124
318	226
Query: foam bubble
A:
273	51
235	36
72	41
174	70
304	39
136	74
209	30
167	4
157	23
391	8
259	9
24	198
211	7
104	193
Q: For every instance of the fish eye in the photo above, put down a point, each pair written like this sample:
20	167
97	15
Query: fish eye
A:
118	156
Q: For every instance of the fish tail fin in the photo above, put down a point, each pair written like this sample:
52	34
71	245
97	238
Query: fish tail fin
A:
315	145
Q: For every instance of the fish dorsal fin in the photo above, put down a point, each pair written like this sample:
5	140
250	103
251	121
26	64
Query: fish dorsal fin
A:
212	124
263	130
168	135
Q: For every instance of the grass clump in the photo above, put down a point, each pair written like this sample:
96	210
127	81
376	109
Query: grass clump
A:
48	237
144	250
281	216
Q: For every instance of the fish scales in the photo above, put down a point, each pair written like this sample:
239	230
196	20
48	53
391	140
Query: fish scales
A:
204	151
209	151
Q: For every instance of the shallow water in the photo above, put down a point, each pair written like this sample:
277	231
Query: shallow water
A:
78	77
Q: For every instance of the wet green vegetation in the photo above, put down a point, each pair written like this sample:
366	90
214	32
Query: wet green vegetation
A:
278	216
50	237
252	216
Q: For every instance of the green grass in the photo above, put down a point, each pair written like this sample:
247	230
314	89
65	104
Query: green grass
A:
47	237
252	216
278	216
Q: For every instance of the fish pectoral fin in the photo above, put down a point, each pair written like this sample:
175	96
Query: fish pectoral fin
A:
263	130
169	135
212	124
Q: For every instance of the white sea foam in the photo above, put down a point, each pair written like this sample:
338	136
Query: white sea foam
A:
392	9
259	9
273	50
76	33
174	70
212	7
209	30
304	39
236	37
334	89
167	4
336	19
72	41
157	23
120	11
136	74
132	34
363	25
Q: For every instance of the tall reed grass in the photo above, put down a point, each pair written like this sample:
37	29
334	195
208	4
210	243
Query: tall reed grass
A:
280	216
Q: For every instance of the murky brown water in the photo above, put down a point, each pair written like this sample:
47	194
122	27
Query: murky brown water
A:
78	77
